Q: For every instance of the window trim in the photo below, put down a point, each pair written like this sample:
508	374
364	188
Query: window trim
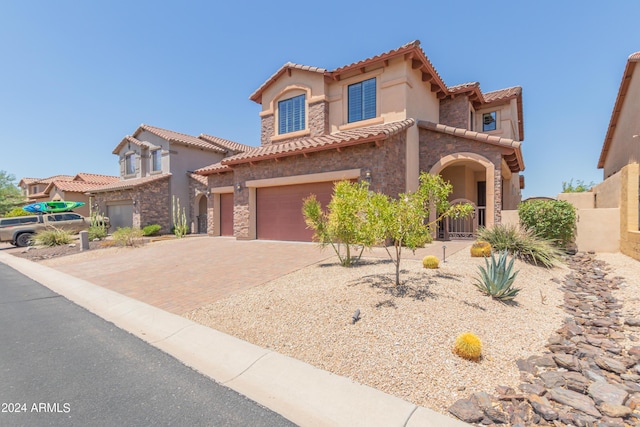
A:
494	122
153	163
132	156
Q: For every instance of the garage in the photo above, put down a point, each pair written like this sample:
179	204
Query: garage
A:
226	214
120	214
279	210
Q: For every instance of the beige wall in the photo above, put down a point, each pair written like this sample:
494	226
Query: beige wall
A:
584	200
598	230
629	221
510	217
624	147
607	193
506	117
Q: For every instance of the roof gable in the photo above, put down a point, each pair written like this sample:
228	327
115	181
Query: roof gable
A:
170	136
225	144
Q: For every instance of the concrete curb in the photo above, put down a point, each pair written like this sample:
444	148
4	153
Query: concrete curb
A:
296	390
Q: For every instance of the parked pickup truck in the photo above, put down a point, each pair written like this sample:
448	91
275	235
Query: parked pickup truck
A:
19	230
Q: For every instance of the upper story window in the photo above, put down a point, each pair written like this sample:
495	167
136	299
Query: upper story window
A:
362	100
130	164
34	189
291	114
489	121
156	160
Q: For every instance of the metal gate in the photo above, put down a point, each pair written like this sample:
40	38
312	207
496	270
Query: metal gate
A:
462	228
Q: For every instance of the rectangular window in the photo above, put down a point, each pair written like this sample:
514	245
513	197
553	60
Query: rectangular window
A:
489	121
291	115
156	160
471	119
130	164
362	100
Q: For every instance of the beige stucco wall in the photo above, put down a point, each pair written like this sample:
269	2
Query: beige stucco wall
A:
510	217
629	215
584	200
607	193
598	230
625	148
506	118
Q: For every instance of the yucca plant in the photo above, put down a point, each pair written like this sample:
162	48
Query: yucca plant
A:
496	280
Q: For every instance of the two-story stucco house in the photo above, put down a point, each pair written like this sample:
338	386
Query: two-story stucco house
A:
385	120
156	165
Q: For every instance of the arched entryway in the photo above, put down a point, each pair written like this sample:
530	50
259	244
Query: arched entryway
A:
472	177
201	218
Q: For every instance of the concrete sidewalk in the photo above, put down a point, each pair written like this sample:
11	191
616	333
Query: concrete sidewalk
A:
300	392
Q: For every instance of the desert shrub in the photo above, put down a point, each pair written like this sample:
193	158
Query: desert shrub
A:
53	237
180	226
151	230
496	280
17	212
127	236
553	220
430	261
521	243
480	248
97	232
468	346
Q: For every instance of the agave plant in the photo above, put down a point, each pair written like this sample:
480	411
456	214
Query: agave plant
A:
496	280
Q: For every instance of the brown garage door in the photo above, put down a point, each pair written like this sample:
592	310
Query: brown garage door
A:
226	214
279	210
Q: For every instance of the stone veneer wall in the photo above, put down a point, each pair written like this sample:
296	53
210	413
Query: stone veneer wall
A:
436	145
153	204
386	163
455	112
318	124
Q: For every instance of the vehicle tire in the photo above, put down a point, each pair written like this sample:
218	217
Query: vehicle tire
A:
24	239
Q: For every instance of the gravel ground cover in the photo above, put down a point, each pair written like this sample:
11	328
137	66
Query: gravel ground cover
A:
402	343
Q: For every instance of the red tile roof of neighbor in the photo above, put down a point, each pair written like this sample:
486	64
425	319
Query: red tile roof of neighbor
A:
633	59
319	143
169	135
236	147
74	186
126	184
515	161
95	178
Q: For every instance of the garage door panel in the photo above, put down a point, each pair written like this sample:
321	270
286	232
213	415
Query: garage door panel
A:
279	210
120	215
226	214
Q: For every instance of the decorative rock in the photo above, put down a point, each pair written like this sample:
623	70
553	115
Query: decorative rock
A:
467	411
632	322
526	366
606	392
611	364
575	400
611	422
630	377
545	361
614	411
482	400
594	376
633	401
634	352
536	389
552	379
542	406
576	382
566	361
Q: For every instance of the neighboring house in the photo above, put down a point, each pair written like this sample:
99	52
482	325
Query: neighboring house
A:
65	187
619	159
155	168
385	120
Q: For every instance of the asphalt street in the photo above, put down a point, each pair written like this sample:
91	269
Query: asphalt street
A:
63	366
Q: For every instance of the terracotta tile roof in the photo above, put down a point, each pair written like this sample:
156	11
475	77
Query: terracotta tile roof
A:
214	168
320	143
95	178
502	94
179	138
515	162
28	181
200	178
410	50
55	178
225	144
38	195
130	140
257	95
74	186
126	184
633	59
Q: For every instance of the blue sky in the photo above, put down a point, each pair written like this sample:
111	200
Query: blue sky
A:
77	76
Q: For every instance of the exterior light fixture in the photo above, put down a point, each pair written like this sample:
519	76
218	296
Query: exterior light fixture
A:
367	176
444	253
238	187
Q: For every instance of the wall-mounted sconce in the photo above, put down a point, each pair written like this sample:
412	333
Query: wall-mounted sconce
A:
207	193
367	176
238	187
134	203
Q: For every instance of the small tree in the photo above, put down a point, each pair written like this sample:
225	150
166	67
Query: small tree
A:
580	187
347	221
553	220
10	195
404	219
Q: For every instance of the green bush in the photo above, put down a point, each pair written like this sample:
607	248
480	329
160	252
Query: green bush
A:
17	212
521	243
97	232
553	220
127	236
496	280
151	230
53	237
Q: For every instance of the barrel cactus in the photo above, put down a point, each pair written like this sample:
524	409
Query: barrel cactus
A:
468	346
481	248
430	261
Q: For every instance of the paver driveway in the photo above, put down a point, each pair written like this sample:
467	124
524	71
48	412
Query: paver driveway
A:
181	275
